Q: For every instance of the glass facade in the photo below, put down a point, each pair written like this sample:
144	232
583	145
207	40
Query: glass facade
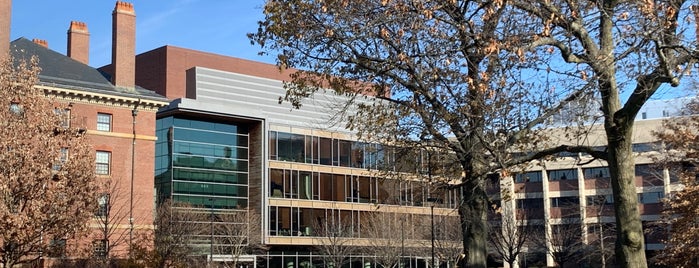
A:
294	184
202	163
328	151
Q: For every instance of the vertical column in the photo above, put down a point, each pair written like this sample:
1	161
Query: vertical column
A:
547	216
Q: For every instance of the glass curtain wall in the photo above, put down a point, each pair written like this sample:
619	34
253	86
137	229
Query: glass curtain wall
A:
202	166
204	163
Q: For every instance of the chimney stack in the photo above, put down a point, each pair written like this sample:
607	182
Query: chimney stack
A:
41	42
79	42
6	12
123	45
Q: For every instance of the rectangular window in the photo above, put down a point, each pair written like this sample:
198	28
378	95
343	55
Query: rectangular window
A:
345	150
326	151
533	176
102	162
596	200
62	158
596	173
99	247
272	145
102	205
64	116
569	201
563	174
650	197
530	203
104	122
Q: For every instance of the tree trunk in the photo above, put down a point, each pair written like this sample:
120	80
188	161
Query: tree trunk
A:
473	213
629	243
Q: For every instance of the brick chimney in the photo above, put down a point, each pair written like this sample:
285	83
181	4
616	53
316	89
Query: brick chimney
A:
5	13
79	42
123	45
41	42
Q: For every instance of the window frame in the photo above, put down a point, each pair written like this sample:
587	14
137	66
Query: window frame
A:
103	205
100	247
101	123
106	164
64	117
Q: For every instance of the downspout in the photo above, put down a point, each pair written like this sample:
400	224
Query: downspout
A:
134	113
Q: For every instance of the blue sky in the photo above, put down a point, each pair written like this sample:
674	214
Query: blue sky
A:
216	26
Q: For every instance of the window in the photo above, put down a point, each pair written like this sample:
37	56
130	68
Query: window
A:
102	162
533	176
104	122
596	200
62	158
568	201
596	173
272	145
530	203
99	247
57	248
102	205
650	197
64	116
563	174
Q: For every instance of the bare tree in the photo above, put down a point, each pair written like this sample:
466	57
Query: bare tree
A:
387	232
509	236
447	238
334	239
171	239
601	234
47	171
111	217
238	233
564	243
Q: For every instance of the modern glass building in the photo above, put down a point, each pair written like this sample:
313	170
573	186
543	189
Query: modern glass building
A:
230	147
201	163
203	167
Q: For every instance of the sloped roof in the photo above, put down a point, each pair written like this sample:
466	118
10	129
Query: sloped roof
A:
60	70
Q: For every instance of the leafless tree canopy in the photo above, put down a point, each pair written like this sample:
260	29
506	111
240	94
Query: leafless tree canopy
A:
389	233
171	239
334	239
238	233
112	218
510	235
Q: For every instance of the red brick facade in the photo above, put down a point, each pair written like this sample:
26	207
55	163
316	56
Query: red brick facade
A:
163	69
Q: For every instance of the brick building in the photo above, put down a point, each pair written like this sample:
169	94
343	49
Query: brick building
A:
117	115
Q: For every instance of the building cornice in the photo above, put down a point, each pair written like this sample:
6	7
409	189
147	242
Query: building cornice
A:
115	100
